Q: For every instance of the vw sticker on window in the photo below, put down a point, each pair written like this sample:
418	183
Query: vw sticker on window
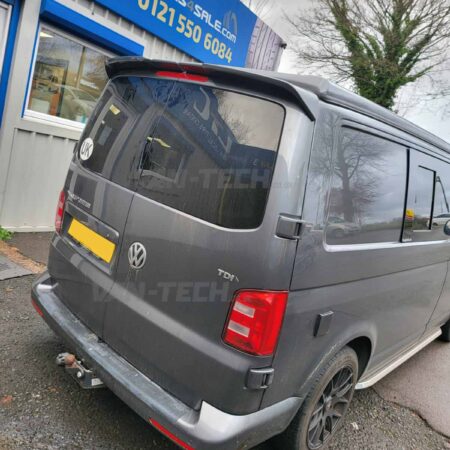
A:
87	148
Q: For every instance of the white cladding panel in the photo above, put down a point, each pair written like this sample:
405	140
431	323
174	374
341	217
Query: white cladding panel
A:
38	169
154	47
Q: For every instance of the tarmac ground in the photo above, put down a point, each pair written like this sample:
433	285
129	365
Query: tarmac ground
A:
41	407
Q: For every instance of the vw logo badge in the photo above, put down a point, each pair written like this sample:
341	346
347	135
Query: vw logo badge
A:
87	148
137	255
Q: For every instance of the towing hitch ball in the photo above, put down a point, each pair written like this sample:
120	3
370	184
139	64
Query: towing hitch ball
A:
85	377
65	359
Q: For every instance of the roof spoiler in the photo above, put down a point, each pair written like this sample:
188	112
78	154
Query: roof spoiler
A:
259	80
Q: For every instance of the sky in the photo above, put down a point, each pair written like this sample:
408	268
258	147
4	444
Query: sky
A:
429	116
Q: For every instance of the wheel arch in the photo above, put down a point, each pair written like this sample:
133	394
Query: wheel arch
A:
363	348
362	342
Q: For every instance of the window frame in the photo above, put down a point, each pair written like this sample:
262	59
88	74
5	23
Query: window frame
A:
47	118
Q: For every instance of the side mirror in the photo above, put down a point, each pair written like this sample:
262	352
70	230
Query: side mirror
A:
447	228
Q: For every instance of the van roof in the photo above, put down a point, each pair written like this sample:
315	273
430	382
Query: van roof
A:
332	93
320	87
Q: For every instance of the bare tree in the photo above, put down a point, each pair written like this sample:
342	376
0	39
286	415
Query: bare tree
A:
378	45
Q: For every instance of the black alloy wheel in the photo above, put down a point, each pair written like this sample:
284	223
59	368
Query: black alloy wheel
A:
325	406
330	408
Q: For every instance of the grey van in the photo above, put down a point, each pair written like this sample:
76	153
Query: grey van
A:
236	252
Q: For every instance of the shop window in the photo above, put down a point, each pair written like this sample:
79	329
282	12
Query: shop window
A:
68	78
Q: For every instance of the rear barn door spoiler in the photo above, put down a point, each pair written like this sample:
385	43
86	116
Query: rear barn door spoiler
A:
252	79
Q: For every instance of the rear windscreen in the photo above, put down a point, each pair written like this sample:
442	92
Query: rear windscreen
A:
207	152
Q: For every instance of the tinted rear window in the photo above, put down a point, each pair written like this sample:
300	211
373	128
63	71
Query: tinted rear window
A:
204	151
126	111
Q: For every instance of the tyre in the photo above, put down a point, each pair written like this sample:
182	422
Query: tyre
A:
323	410
445	336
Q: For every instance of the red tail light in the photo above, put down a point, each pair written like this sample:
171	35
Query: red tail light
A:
182	76
170	435
60	211
255	320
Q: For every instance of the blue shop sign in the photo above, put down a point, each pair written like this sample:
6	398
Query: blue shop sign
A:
212	31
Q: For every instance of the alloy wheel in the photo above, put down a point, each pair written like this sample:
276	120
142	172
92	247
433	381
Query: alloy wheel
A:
330	408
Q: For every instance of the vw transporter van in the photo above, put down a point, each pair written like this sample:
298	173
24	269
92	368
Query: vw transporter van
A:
237	251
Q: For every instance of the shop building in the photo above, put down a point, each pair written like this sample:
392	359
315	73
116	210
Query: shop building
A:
53	54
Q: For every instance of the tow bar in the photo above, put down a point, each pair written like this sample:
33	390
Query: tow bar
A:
85	377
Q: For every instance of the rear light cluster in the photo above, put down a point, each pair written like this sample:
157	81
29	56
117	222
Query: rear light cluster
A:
255	320
60	211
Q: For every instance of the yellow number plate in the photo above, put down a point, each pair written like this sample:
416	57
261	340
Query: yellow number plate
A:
98	245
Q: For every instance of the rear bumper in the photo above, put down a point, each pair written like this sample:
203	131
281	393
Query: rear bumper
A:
208	428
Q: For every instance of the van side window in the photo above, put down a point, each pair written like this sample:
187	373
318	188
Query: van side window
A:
422	201
368	190
427	209
441	208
